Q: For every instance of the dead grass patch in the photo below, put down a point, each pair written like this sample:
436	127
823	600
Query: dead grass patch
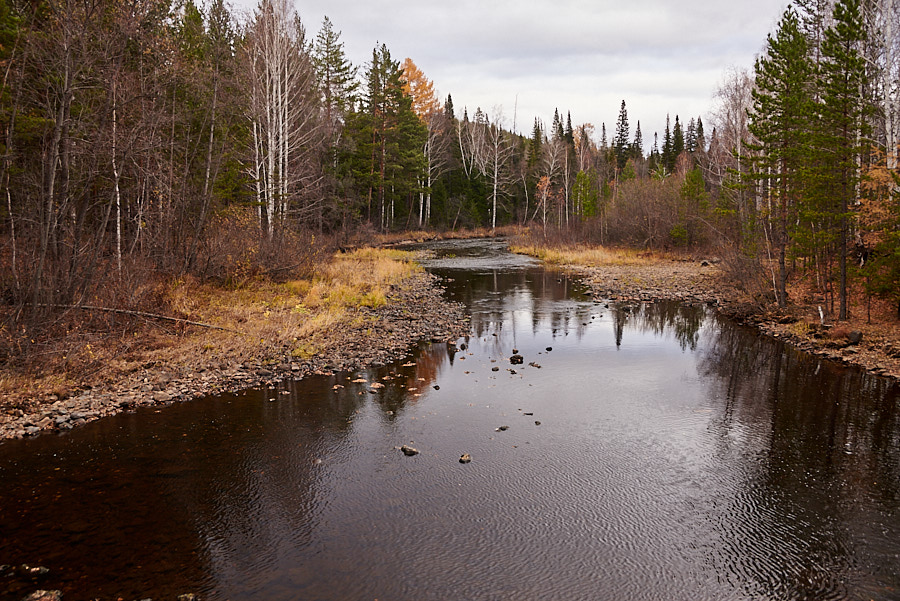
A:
466	234
264	319
589	256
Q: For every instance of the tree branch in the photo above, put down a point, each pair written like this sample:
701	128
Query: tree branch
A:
141	314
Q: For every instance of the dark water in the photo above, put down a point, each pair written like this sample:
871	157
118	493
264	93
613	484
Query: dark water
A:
678	457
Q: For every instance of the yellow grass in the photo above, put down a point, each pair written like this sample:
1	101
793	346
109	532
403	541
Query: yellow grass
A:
588	256
300	309
463	234
264	319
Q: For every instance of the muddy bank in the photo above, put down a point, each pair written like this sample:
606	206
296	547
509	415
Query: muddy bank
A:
415	311
873	347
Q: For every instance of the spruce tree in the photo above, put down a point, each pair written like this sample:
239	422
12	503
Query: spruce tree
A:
690	137
637	148
668	157
677	140
621	143
337	76
536	143
448	108
557	127
701	137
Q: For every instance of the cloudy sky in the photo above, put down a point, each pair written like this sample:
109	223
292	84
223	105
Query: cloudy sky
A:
529	57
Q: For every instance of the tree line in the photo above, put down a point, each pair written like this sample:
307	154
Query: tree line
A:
148	136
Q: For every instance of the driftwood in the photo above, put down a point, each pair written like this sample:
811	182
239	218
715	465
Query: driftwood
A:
143	314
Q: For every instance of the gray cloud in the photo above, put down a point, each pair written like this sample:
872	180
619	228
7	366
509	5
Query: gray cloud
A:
576	55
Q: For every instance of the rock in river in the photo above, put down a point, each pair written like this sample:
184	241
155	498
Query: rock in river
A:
409	451
517	359
465	458
44	596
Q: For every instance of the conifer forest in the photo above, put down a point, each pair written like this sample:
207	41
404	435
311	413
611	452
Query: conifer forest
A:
147	137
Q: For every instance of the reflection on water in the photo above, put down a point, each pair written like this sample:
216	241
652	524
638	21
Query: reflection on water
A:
652	452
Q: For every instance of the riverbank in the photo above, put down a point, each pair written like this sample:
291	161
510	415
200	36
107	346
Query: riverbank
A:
371	309
872	343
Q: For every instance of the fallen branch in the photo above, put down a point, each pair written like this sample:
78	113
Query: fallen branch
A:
143	314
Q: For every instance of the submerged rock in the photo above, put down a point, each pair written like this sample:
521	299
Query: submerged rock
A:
44	596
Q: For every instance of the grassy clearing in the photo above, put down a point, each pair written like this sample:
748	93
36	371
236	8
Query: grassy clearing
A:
297	313
264	319
588	256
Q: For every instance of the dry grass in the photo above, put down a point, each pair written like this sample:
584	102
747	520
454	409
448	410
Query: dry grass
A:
263	318
297	312
589	256
423	235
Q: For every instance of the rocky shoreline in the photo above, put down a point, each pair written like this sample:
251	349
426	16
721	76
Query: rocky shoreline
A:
416	310
875	349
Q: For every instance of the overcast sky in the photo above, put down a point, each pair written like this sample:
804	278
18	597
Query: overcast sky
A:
529	57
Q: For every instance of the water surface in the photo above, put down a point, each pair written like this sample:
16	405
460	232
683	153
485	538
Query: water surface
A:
653	451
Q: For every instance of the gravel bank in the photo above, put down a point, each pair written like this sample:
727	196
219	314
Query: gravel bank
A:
415	311
873	347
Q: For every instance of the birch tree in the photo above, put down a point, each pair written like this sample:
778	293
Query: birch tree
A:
283	112
492	157
435	148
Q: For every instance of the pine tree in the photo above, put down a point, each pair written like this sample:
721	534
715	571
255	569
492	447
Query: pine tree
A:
621	143
779	119
395	162
843	124
569	132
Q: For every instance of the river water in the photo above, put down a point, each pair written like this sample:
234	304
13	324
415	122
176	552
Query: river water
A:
641	451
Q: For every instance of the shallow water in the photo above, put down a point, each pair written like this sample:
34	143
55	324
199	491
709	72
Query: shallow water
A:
677	456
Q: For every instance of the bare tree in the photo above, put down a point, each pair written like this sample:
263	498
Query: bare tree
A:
492	156
437	145
726	158
551	166
883	54
283	111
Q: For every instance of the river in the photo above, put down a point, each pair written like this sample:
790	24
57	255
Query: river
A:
639	451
